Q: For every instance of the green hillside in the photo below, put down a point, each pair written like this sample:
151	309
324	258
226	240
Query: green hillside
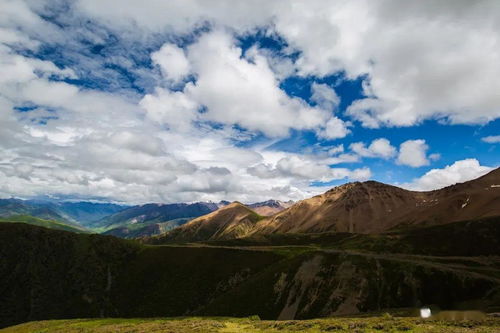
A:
53	274
466	238
58	225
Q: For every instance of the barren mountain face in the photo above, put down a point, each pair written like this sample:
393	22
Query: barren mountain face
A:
232	221
372	207
361	207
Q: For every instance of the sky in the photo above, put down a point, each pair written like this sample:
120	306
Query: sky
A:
194	100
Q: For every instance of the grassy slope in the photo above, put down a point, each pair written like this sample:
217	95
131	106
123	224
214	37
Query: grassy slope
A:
467	238
251	325
43	223
54	274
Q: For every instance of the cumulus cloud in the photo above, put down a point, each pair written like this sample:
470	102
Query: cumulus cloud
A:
422	60
380	148
458	172
413	153
325	96
335	128
171	108
103	121
172	61
295	166
92	144
237	91
491	139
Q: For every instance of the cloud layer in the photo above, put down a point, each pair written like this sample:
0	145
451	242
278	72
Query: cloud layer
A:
165	101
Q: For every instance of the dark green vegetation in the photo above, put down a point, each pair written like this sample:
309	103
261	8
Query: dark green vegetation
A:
467	238
254	325
53	274
43	223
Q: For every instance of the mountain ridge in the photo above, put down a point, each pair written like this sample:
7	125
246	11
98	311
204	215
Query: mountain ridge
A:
231	221
372	207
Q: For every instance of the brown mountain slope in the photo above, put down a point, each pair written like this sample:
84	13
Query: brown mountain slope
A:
232	221
372	207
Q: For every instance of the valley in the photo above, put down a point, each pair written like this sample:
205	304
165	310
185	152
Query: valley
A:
234	262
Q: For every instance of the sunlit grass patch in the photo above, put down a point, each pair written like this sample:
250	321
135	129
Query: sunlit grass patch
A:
383	323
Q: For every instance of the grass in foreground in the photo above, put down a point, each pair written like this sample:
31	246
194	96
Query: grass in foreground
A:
254	325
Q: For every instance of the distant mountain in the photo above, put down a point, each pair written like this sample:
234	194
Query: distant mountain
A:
47	211
86	213
231	221
270	207
145	229
366	208
57	225
76	213
373	207
155	213
155	219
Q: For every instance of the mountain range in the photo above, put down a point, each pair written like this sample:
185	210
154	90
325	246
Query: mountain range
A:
358	248
120	220
81	213
368	208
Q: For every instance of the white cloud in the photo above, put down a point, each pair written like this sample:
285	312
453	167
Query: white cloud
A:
413	153
94	144
236	91
325	96
335	128
301	167
434	157
336	149
491	139
458	172
380	148
428	61
172	108
172	61
422	60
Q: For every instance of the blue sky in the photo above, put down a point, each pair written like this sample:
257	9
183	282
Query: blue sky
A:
189	101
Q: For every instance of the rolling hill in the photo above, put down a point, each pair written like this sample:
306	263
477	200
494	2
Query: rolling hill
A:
52	274
50	224
231	221
155	219
11	207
